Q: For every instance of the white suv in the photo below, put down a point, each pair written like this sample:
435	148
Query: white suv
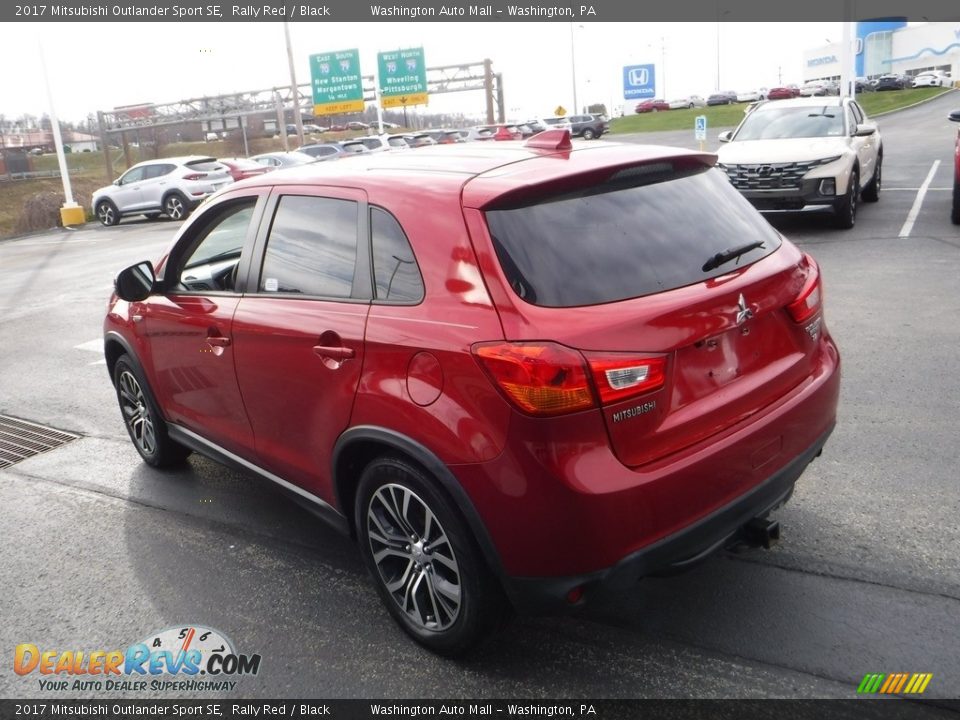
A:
171	186
806	153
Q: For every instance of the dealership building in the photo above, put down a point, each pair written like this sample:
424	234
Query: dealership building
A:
891	46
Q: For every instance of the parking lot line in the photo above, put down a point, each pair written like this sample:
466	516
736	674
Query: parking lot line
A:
918	202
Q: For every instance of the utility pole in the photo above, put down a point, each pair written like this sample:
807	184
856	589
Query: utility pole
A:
294	93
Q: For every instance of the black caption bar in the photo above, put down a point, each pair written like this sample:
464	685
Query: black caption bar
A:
483	709
482	11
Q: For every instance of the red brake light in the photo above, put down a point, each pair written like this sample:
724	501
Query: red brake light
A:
548	379
539	378
195	176
810	299
620	377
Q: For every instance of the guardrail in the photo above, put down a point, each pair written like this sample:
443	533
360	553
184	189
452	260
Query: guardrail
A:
31	175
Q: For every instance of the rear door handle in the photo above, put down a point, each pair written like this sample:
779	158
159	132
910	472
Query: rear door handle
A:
338	353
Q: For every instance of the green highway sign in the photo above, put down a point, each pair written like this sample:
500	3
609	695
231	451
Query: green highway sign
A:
335	80
402	76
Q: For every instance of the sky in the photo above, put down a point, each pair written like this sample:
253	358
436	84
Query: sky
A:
99	66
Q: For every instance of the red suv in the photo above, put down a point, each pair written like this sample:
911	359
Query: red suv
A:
516	373
955	208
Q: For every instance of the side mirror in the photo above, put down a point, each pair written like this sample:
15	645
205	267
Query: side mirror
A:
954	116
136	282
725	136
116	182
865	130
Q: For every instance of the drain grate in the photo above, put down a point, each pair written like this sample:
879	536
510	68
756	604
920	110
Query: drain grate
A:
21	439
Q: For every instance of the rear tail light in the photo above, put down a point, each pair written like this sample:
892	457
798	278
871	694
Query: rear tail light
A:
549	379
195	176
618	377
539	378
810	299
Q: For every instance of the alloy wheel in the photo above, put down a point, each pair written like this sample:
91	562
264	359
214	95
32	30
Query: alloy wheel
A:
106	214
136	413
414	557
174	207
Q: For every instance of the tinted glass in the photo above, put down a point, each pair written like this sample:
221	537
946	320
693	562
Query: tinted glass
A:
312	248
220	241
794	122
208	165
155	171
395	268
133	176
617	241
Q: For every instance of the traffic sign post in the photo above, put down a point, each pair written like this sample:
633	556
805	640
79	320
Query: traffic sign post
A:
700	129
335	80
402	78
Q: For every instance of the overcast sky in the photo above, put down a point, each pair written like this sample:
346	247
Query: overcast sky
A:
98	66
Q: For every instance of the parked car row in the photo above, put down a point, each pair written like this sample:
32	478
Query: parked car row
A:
176	186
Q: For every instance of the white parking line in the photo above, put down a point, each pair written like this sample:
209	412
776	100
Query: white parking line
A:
918	202
93	346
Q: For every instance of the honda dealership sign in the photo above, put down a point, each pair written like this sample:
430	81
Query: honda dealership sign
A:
639	81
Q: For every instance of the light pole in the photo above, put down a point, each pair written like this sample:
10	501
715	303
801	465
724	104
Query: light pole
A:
719	15
663	66
295	93
573	69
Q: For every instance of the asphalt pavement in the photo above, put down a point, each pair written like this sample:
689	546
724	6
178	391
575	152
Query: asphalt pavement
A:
102	551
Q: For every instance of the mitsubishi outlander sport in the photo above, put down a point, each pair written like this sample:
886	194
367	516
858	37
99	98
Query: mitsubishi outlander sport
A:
517	373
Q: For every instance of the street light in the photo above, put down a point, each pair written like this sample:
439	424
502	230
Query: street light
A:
573	69
719	15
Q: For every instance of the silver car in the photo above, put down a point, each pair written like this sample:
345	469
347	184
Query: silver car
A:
169	186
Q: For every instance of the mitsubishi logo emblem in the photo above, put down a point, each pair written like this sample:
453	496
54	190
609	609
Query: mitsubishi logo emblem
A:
743	312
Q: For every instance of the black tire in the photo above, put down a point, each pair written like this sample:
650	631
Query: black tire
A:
845	212
871	192
426	555
955	211
107	213
143	420
588	134
175	206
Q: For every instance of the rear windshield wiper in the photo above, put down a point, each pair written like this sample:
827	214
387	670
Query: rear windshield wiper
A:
730	254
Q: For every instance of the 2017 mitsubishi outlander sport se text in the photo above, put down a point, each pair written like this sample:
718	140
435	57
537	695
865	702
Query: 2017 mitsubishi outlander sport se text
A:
517	373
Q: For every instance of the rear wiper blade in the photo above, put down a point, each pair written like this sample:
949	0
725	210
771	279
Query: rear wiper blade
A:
730	254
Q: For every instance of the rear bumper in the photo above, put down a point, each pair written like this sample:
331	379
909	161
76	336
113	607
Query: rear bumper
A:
563	512
677	552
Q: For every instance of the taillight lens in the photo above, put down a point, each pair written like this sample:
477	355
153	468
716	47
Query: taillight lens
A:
548	379
810	299
539	378
195	176
620	377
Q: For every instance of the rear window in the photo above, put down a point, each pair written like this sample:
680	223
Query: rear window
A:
626	238
204	165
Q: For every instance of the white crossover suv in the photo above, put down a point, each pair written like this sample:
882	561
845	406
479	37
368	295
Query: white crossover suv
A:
809	153
169	186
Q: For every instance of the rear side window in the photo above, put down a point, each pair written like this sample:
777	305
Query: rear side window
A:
394	266
155	171
618	241
312	247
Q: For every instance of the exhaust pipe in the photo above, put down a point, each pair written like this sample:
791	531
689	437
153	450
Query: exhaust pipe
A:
761	532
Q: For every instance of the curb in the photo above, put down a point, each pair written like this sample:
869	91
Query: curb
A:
916	104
